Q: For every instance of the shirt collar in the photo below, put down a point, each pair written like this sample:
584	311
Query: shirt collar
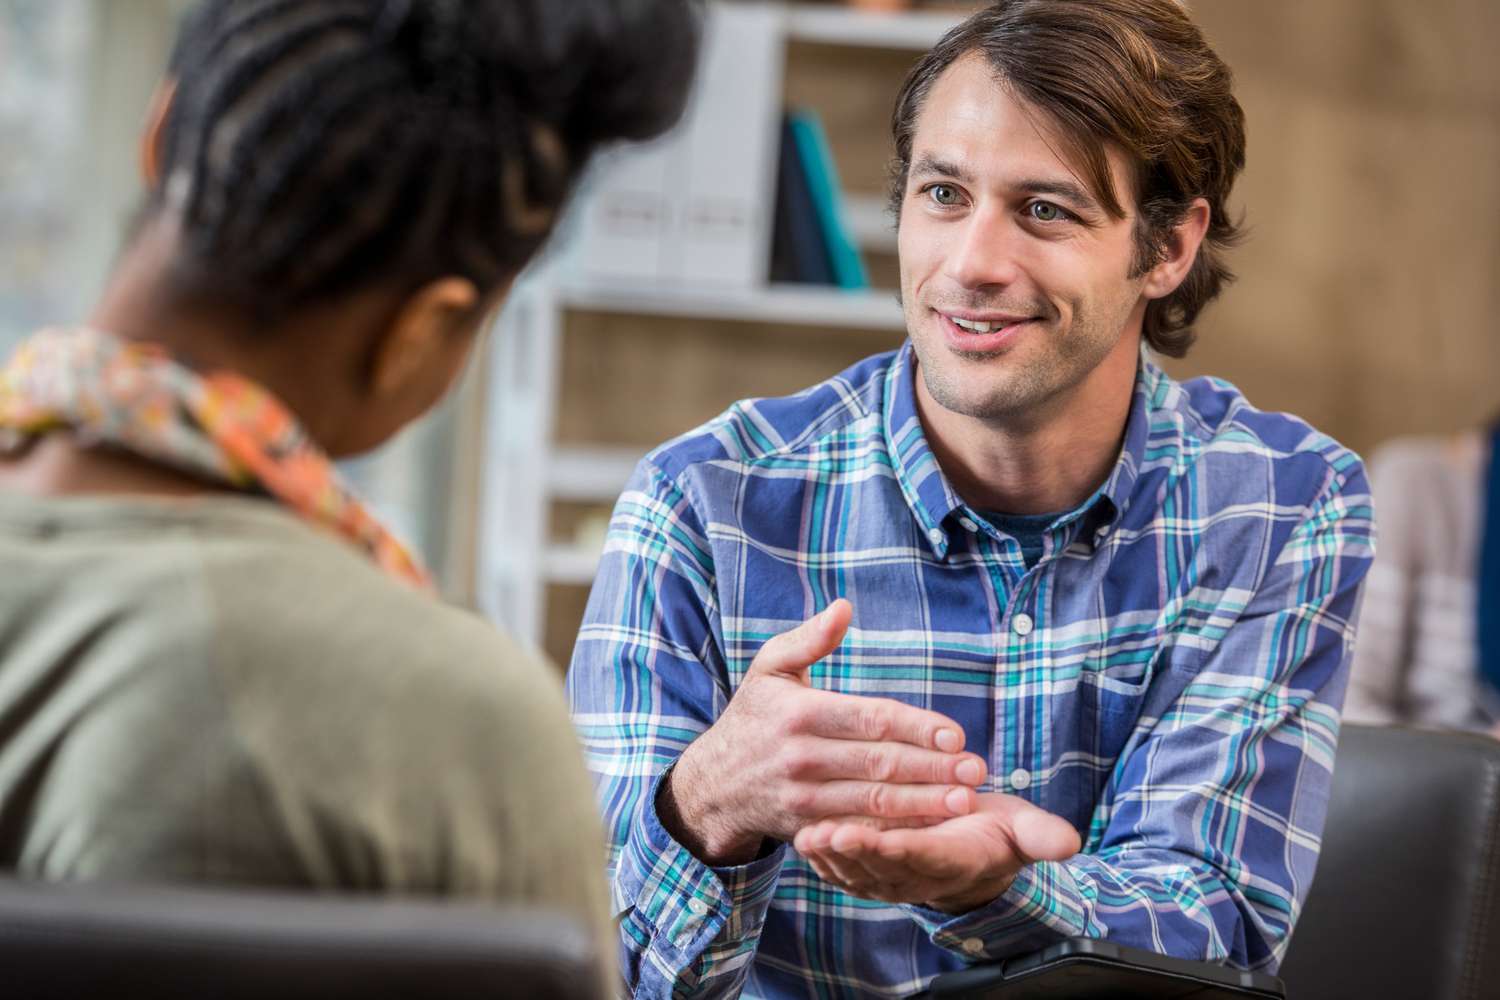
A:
927	491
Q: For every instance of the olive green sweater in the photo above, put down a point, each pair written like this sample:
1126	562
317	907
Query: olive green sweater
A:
209	690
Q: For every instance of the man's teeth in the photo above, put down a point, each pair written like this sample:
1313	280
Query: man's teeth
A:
974	326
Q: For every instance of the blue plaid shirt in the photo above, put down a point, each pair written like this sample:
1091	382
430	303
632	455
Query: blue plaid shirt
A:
1167	678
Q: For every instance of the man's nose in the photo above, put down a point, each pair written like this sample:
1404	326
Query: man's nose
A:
987	251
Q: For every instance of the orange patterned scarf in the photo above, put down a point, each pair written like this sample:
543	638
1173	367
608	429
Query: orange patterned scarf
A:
220	426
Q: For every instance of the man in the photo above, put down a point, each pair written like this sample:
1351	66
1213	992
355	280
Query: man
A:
1131	600
215	665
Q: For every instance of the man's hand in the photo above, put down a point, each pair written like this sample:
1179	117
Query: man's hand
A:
784	755
954	866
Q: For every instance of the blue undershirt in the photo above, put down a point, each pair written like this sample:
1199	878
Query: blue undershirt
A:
1030	530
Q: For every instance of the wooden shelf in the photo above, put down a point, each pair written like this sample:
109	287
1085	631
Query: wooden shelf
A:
803	305
914	30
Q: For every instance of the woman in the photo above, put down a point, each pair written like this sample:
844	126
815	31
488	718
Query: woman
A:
215	664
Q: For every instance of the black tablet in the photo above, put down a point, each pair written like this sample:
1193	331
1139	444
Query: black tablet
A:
1085	969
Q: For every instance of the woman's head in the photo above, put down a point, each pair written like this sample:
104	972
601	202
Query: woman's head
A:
315	150
317	146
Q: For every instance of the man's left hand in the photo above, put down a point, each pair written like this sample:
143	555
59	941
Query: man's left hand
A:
953	866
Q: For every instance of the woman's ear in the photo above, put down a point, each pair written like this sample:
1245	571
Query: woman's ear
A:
153	151
1179	252
418	346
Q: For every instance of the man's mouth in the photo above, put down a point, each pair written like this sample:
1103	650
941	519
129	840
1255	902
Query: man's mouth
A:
985	325
982	333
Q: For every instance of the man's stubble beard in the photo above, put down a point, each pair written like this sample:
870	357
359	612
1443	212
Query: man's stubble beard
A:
1018	388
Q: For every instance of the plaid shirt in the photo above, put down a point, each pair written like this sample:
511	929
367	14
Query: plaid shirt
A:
1167	678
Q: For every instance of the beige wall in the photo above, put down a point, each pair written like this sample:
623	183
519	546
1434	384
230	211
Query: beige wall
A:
1367	301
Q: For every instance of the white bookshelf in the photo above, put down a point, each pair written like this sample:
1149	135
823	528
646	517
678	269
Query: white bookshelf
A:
831	25
803	305
870	223
590	474
569	564
526	474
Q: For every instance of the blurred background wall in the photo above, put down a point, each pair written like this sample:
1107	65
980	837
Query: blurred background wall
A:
1368	299
1366	303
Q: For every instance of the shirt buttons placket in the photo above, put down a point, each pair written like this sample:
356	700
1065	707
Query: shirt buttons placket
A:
936	536
1021	623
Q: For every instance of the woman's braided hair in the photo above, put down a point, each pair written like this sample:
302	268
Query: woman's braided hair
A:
318	146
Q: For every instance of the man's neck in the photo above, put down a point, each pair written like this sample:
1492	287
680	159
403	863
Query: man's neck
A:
1045	462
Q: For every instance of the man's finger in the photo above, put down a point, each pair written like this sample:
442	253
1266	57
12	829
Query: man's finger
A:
792	652
880	720
840	871
891	801
892	762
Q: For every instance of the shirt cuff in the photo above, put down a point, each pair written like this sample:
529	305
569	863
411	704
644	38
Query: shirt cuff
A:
687	904
1040	908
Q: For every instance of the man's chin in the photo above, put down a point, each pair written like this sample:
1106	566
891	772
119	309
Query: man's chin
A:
979	398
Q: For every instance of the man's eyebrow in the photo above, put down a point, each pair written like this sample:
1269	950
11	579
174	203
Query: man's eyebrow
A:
1067	190
930	165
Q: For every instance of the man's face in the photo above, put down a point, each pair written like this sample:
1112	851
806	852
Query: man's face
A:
1015	281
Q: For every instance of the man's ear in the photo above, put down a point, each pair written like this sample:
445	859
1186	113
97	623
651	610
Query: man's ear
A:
153	151
1180	251
422	330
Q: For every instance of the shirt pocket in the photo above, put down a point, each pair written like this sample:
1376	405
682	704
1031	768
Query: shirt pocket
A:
1112	689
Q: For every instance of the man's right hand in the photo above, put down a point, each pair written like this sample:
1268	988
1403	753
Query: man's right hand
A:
784	755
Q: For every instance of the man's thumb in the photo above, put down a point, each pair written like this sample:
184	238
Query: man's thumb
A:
791	653
1043	836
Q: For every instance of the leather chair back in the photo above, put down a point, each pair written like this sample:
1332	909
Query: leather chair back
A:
87	940
1406	901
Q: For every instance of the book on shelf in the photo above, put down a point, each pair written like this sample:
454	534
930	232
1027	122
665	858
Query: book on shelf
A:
799	252
828	197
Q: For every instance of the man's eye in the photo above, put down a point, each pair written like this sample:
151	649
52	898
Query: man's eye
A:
1045	211
943	194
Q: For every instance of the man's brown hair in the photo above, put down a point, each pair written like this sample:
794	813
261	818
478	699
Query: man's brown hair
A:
1134	73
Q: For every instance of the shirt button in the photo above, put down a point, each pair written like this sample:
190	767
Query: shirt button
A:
698	906
973	946
968	524
1020	779
1022	624
936	536
1103	532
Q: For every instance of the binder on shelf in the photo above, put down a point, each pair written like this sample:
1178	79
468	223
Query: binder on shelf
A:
695	207
799	253
823	181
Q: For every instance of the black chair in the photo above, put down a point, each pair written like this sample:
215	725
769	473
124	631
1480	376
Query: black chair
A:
1406	903
84	940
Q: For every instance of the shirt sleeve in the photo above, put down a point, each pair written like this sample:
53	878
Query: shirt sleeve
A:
1206	837
647	678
